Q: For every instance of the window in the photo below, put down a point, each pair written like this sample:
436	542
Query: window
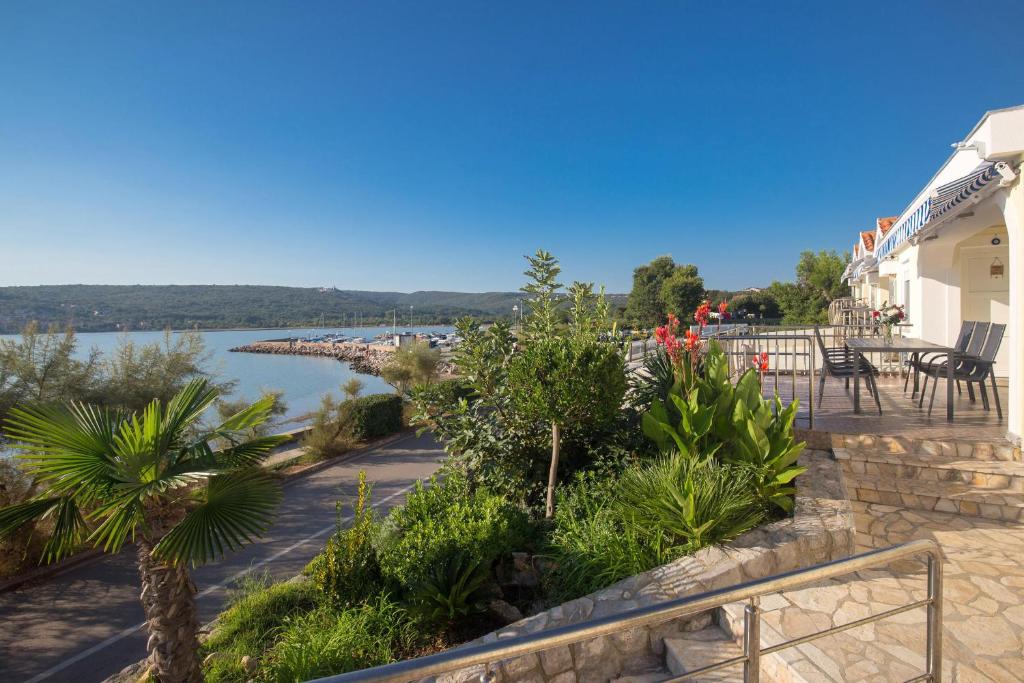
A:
906	298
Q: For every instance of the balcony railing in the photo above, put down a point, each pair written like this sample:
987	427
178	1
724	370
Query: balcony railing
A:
849	311
750	592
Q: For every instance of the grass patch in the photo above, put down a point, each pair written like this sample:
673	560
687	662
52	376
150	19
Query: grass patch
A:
326	641
252	623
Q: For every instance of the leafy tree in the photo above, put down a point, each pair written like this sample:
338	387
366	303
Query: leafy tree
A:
819	282
353	387
661	286
411	366
759	304
577	382
41	366
541	288
683	291
136	374
154	477
645	305
822	273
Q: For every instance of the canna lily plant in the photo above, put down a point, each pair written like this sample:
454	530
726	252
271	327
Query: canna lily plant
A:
184	494
712	417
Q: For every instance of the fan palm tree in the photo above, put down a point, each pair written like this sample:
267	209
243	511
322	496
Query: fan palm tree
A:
184	493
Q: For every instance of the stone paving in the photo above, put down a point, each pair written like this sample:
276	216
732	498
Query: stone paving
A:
983	602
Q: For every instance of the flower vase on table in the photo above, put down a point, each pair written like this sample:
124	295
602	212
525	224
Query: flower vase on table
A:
887	317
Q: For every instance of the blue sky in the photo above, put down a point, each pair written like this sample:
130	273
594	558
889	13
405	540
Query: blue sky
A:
405	146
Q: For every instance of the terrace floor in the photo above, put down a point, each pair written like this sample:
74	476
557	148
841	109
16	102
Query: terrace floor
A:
900	414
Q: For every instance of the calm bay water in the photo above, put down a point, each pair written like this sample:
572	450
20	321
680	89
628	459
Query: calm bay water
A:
303	379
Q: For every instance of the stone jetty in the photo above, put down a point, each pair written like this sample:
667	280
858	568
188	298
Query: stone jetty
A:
367	359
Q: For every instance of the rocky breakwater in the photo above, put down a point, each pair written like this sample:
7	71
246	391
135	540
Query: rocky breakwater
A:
367	359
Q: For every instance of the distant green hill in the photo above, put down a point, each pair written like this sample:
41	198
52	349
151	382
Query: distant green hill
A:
94	308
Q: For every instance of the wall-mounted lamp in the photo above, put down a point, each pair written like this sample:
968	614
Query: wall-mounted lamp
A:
995	271
977	146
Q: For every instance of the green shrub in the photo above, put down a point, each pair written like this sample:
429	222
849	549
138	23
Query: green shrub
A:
456	587
590	544
252	622
687	504
606	530
443	519
347	571
329	435
326	641
372	416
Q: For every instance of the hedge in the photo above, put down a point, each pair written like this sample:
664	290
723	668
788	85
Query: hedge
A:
372	416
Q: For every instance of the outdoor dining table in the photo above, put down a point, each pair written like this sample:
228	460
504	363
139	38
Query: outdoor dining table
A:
862	345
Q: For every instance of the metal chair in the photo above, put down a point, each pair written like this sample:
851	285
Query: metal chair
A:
973	369
839	363
973	348
916	361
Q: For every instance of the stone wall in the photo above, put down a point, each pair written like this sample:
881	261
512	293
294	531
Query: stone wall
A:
820	530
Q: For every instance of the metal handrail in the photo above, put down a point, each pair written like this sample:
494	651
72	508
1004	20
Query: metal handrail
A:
751	591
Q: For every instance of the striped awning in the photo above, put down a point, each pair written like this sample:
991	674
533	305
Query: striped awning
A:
944	199
948	196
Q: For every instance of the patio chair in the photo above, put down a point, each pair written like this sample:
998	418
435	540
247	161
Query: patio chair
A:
838	362
973	369
917	361
973	348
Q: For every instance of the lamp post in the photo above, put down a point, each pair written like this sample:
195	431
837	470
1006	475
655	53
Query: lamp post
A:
410	319
515	316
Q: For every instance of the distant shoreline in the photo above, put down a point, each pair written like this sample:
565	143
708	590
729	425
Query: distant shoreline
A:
175	330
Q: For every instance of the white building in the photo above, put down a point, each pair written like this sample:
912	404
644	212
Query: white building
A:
957	251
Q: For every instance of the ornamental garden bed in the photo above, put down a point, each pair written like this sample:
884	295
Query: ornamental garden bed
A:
686	484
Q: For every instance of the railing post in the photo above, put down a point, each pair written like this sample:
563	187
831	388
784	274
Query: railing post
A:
934	644
752	641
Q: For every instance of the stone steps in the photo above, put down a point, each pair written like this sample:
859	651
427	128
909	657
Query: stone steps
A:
989	475
950	448
698	649
853	655
650	677
941	496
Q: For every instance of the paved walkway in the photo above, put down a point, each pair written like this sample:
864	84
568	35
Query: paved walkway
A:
85	624
984	604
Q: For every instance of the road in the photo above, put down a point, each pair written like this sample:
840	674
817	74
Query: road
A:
85	624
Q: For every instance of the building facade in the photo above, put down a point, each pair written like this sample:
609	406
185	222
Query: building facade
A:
957	251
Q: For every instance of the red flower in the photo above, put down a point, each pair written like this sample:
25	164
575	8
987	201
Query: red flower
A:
702	314
666	336
692	341
876	314
760	362
901	315
723	308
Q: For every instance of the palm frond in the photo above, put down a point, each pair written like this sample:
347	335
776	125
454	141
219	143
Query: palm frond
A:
252	452
200	456
14	517
69	447
188	405
123	515
239	506
256	414
69	531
